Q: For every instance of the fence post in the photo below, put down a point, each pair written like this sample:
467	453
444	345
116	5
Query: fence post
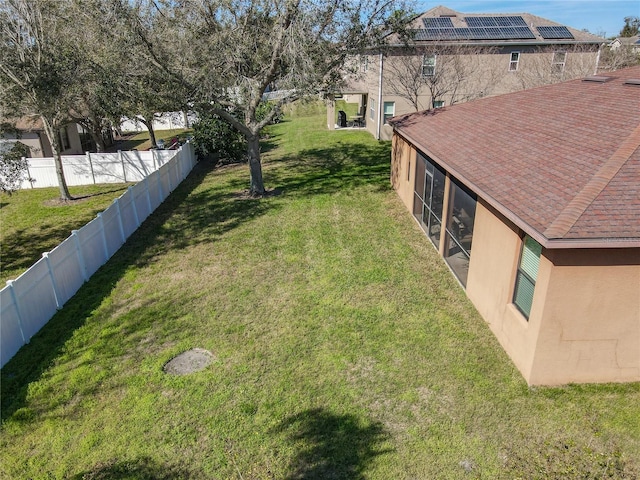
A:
134	208
15	302
117	204
93	175
146	186
104	236
124	170
83	265
28	173
56	294
153	158
160	191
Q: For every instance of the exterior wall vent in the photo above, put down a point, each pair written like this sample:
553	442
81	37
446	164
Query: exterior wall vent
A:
597	79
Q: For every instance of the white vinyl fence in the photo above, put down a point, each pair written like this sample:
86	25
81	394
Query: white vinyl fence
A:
91	168
29	302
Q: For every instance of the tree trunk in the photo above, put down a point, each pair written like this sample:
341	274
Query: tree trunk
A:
255	168
96	134
57	159
152	133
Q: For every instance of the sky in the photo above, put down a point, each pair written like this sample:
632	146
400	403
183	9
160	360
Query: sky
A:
601	17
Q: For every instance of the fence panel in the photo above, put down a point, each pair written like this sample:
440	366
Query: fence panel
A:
27	303
113	228
67	270
107	168
77	170
92	245
35	283
138	166
155	189
140	201
128	213
11	339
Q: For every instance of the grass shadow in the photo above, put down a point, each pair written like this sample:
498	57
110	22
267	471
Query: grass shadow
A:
332	446
22	248
140	469
336	168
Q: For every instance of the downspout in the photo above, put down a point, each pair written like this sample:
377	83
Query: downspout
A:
598	59
379	96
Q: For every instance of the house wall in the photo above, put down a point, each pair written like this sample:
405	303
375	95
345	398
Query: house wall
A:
590	321
485	72
584	324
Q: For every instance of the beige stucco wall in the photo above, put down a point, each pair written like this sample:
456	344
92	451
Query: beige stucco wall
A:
486	73
590	322
584	324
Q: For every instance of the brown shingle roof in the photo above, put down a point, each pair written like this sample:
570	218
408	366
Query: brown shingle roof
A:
561	161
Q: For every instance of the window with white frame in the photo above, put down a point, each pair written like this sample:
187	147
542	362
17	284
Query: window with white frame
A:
364	63
389	110
527	275
513	62
372	109
438	103
558	62
428	65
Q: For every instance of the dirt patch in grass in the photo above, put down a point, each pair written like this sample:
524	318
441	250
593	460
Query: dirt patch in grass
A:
191	361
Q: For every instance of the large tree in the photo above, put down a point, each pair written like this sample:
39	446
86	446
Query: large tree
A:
229	53
39	68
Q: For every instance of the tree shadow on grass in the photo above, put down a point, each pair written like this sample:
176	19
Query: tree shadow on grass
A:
22	248
332	446
333	169
139	469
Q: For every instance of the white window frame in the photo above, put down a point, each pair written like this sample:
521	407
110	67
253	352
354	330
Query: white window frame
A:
364	63
557	67
385	115
428	65
513	64
438	103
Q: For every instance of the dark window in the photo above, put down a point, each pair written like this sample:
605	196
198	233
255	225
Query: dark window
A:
460	224
428	197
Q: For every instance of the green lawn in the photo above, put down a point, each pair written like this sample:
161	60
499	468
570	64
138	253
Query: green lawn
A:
343	347
140	140
31	222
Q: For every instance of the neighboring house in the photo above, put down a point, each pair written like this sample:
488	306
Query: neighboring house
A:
74	139
632	43
455	57
533	200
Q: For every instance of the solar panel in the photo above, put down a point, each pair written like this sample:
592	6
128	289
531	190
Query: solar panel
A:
438	22
523	32
507	21
554	32
475	33
516	21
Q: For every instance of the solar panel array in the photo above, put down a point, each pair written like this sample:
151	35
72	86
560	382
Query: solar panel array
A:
479	28
495	21
554	32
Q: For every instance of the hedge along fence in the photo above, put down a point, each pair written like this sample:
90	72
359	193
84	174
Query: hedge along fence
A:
92	168
28	302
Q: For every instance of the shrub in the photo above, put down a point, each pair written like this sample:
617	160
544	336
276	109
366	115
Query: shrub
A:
217	140
13	166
